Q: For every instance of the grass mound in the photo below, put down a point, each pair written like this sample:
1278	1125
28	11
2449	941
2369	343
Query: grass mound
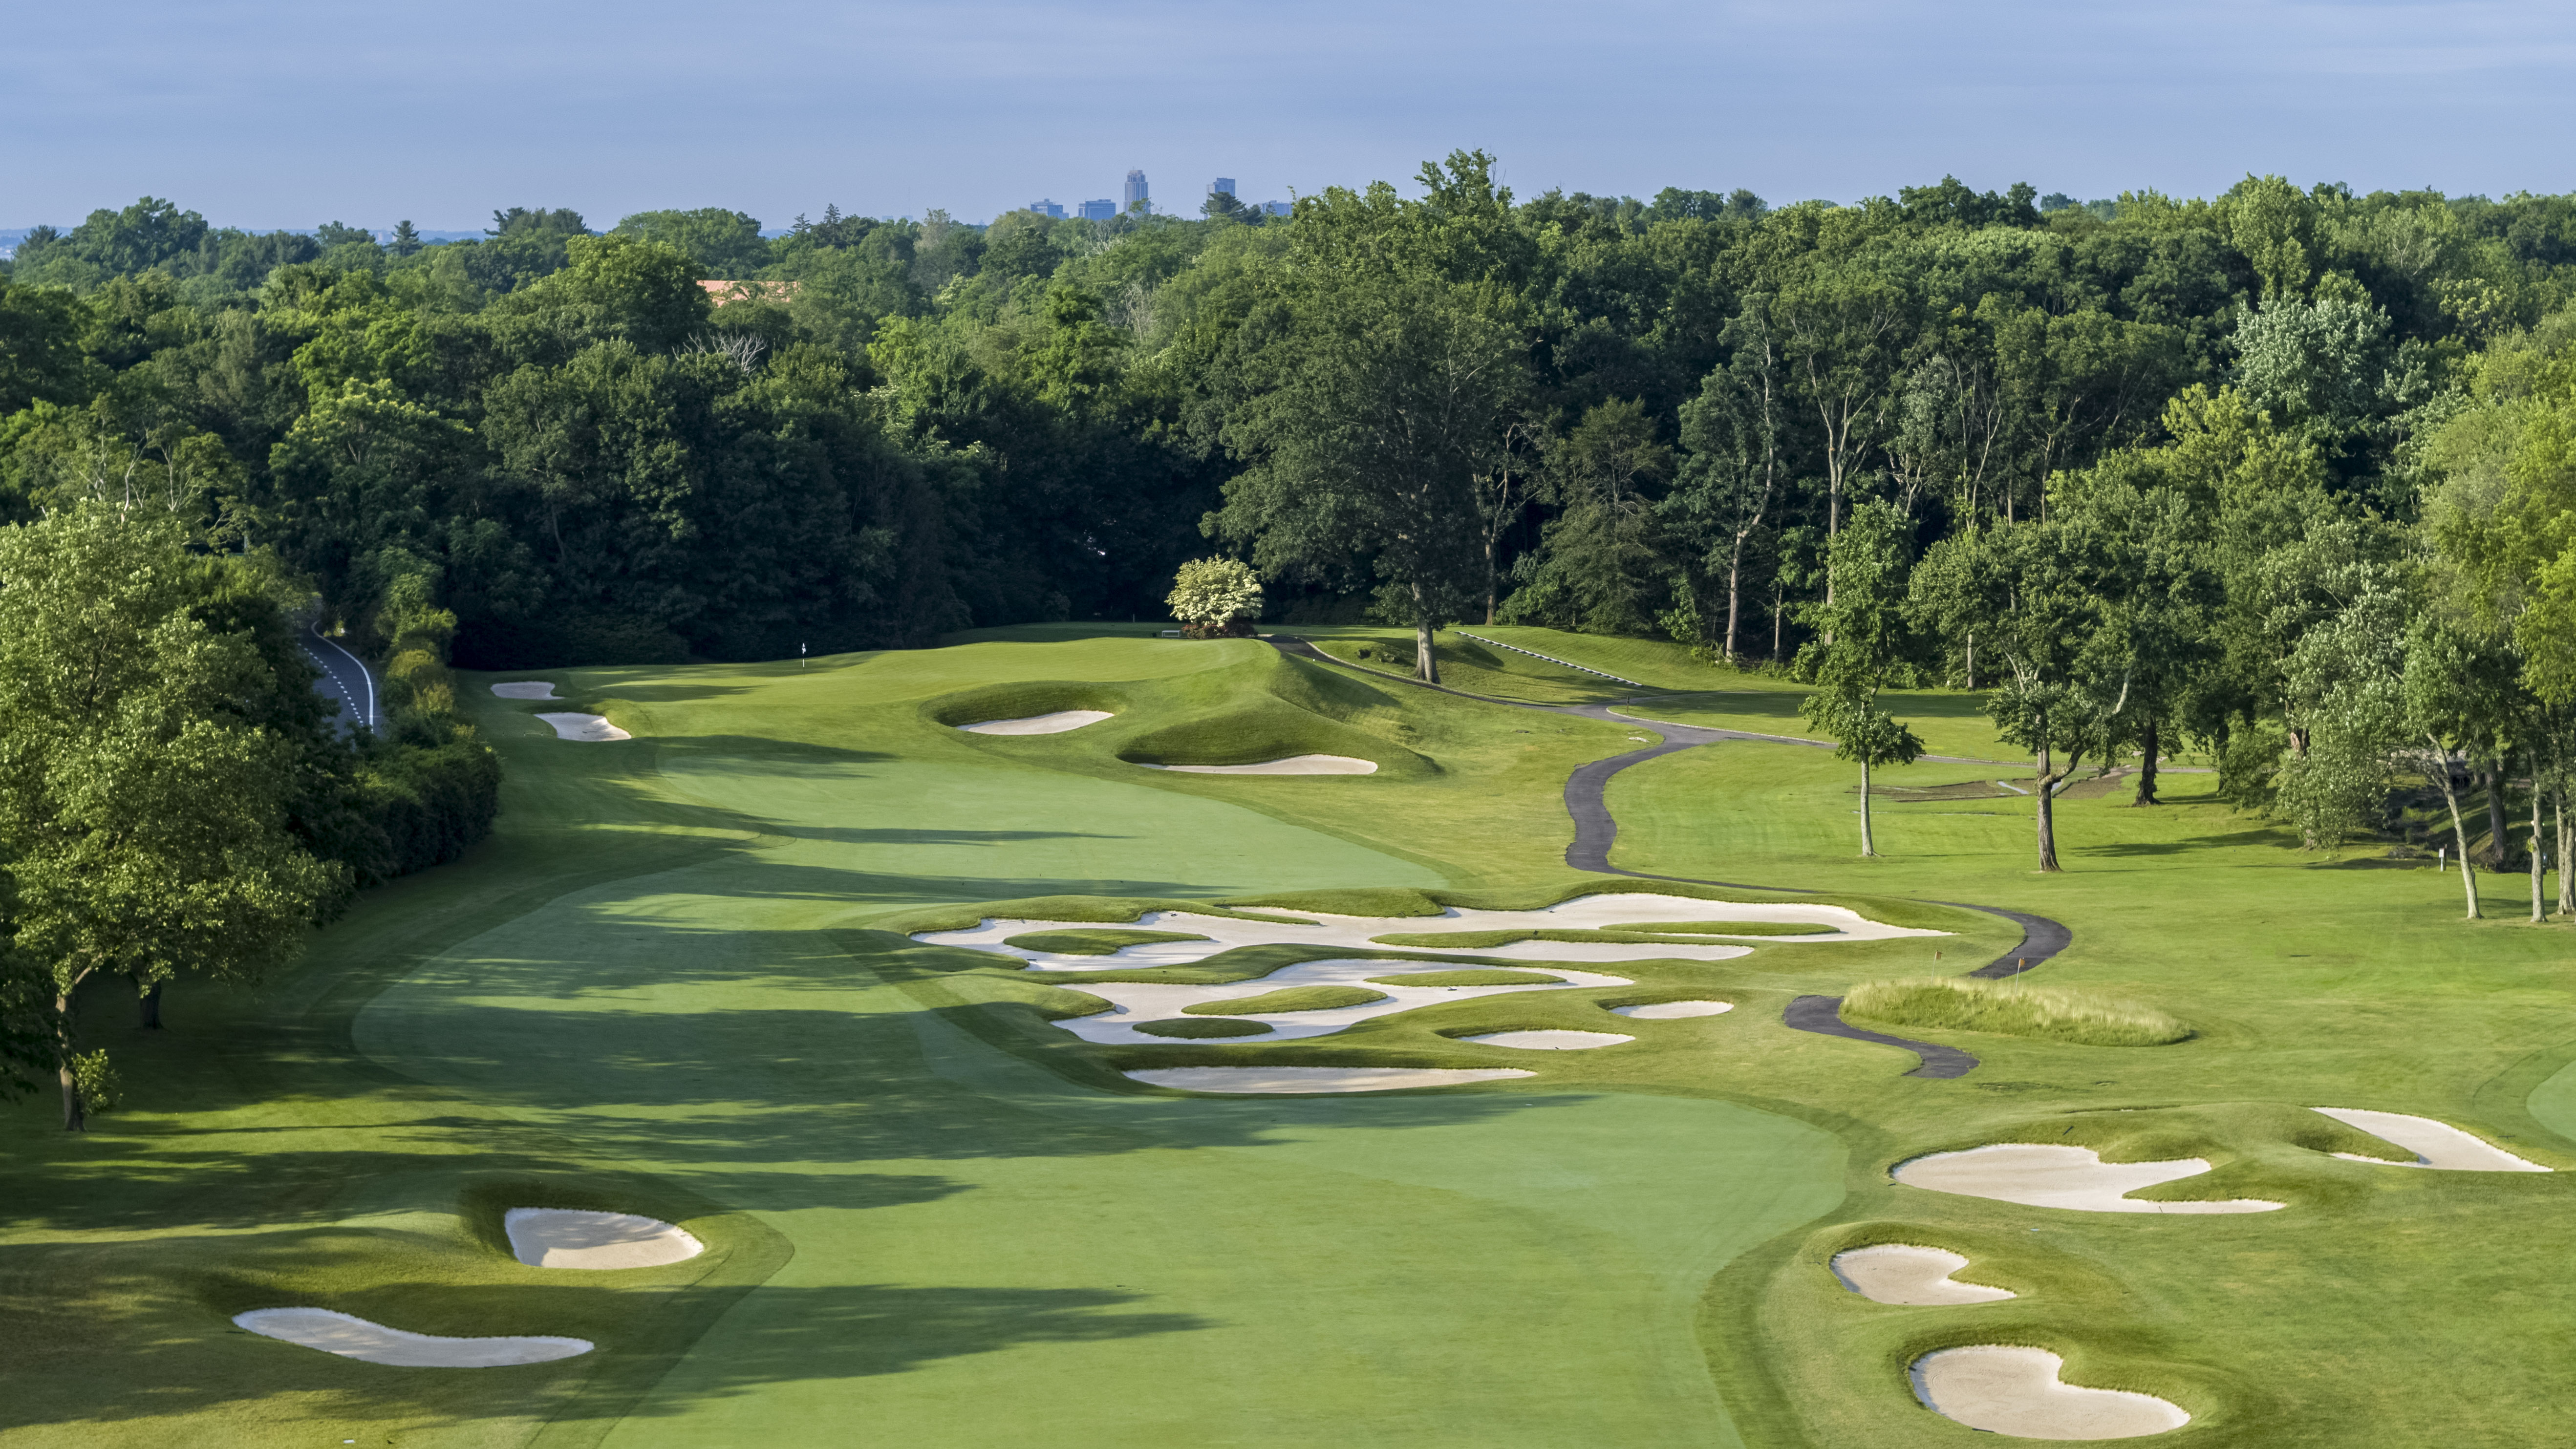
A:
1204	1027
1289	998
1728	928
1488	940
2008	1009
1019	700
1493	977
1093	942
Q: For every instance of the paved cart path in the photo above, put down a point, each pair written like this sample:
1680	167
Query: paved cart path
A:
1596	830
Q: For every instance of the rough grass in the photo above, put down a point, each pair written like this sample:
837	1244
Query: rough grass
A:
1289	998
2010	1008
1495	977
1204	1026
1093	941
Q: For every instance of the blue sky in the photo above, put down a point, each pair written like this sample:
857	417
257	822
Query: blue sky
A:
293	112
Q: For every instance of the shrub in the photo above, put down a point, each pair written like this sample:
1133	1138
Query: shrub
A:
2008	1008
430	802
1216	595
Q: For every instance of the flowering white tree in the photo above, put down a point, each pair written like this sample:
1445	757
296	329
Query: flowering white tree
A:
1215	596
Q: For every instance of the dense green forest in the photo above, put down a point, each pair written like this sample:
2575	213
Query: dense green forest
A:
2285	475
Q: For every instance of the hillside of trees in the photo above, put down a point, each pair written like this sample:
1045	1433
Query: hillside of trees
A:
2187	463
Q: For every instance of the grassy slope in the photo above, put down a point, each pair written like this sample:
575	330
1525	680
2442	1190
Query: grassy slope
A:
647	986
1671	684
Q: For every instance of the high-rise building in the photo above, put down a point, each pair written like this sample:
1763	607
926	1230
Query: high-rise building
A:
1136	195
1100	210
1222	183
1278	208
1047	208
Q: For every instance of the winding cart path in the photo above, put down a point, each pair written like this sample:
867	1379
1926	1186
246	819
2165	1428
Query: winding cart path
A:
1596	830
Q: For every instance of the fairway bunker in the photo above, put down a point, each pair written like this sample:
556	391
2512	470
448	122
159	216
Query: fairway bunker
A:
565	1238
1673	1010
2016	1391
1903	1274
2437	1145
350	1336
1292	765
1134	1004
2058	1175
1277	1080
586	727
1038	724
1550	1040
525	689
1588	912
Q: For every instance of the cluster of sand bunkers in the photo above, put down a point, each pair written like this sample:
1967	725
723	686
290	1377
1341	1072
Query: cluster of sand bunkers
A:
2014	1388
1059	721
563	1238
1375	986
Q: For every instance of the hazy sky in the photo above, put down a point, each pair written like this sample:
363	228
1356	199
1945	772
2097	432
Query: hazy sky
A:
270	113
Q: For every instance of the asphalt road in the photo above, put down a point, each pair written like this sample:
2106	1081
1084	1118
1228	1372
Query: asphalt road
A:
345	678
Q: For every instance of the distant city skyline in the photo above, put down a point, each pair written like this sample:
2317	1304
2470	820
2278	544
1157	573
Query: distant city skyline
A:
572	104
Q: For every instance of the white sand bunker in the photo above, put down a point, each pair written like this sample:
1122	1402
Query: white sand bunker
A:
584	727
1593	912
2062	1176
1293	765
353	1337
1904	1274
1317	1079
1673	1010
2435	1144
2016	1391
1135	1002
1550	1041
525	689
563	1238
1038	724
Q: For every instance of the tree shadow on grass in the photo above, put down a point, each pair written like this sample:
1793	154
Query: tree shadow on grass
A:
767	750
2220	841
149	1337
669	693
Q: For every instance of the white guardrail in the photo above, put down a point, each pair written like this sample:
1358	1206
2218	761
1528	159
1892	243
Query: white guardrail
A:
1550	658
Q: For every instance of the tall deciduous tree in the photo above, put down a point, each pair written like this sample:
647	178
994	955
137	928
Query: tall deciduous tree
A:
2160	598
1365	432
2034	593
1843	327
1604	550
1869	636
142	818
1735	476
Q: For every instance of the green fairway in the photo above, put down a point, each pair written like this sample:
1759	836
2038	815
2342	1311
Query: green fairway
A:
675	983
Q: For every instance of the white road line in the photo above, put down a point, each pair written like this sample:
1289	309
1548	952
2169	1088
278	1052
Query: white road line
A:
344	684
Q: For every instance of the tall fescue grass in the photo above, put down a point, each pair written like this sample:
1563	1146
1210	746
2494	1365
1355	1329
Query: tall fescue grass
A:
2007	1008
